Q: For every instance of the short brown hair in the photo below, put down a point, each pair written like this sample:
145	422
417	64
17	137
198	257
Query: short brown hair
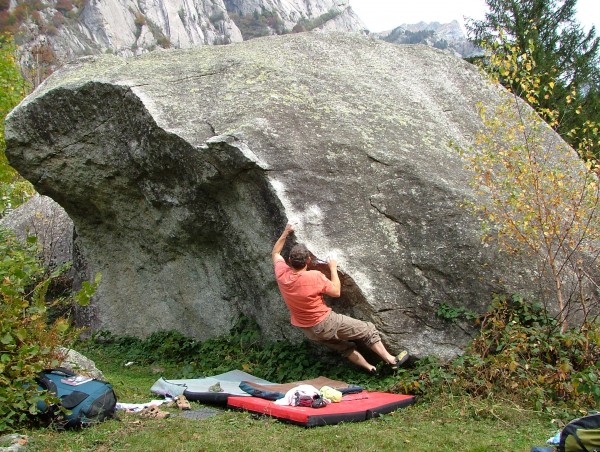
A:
299	256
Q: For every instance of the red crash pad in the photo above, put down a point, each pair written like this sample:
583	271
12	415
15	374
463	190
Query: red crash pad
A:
353	408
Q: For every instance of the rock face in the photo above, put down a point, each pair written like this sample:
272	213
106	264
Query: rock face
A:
125	27
45	219
181	168
449	36
61	31
337	15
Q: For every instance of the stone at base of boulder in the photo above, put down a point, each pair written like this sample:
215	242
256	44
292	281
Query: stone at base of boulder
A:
79	364
13	442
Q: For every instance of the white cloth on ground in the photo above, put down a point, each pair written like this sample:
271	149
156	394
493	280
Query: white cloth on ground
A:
302	390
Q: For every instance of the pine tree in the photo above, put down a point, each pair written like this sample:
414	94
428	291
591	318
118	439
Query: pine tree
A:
565	55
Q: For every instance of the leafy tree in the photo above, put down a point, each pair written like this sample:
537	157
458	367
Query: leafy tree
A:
518	356
561	52
542	199
14	190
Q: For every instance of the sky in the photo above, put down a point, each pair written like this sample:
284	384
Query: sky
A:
381	15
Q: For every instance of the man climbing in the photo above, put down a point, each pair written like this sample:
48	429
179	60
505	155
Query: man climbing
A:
303	290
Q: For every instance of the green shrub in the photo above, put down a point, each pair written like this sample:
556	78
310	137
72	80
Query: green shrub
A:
524	350
64	6
251	25
157	33
242	348
522	356
28	340
139	20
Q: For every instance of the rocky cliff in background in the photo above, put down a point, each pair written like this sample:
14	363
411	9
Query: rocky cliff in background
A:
180	169
52	32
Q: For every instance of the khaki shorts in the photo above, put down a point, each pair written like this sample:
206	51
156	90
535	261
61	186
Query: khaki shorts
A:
339	332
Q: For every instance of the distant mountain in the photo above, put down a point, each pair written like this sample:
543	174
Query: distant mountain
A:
448	37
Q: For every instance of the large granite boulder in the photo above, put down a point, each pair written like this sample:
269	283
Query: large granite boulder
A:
180	169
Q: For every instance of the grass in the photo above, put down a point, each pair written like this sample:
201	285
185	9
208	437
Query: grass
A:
416	428
448	423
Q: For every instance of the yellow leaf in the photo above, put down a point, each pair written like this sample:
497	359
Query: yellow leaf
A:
565	367
62	325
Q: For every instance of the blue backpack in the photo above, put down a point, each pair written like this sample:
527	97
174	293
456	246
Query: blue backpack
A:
87	400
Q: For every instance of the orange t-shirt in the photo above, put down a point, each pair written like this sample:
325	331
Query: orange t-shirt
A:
303	294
